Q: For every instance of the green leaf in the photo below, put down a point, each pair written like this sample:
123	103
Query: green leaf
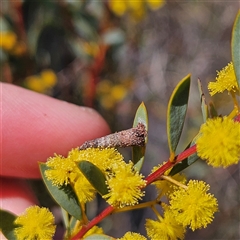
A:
204	106
7	224
98	237
65	217
64	196
236	47
212	110
70	223
177	108
94	175
138	152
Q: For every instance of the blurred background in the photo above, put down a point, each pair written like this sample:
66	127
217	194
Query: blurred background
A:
112	55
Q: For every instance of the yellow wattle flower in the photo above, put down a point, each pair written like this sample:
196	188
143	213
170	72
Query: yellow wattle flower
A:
36	223
219	142
62	170
132	236
83	189
193	206
225	80
165	228
124	185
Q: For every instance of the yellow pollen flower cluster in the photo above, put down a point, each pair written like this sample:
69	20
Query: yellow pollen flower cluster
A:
36	223
193	207
63	171
165	228
123	181
219	142
225	80
104	159
132	236
124	186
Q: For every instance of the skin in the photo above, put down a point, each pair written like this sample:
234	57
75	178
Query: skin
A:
33	128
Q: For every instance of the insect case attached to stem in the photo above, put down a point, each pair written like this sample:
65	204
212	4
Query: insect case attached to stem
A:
126	138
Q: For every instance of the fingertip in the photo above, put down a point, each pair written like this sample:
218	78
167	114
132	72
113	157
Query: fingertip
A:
36	126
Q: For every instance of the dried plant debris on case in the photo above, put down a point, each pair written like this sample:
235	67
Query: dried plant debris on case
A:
126	138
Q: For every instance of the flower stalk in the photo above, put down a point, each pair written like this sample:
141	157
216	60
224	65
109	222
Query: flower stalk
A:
170	179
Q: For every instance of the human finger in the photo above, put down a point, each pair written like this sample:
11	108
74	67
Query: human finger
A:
35	126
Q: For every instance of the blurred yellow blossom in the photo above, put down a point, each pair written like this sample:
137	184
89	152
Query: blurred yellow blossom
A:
34	83
41	82
48	77
19	49
90	48
10	43
118	7
155	4
136	8
7	40
109	94
118	92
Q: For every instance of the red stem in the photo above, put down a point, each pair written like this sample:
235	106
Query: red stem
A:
155	175
94	222
151	178
94	72
237	118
